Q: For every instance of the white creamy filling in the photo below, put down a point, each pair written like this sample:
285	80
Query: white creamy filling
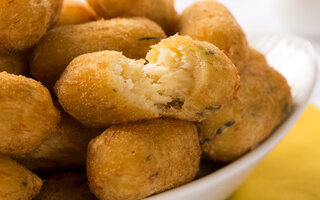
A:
168	79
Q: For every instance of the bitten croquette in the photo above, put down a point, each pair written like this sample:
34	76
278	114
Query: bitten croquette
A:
183	78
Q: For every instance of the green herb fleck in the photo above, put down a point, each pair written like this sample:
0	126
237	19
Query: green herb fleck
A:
205	140
286	109
24	183
148	158
226	125
114	90
149	38
179	102
219	131
213	107
175	103
11	51
207	50
201	114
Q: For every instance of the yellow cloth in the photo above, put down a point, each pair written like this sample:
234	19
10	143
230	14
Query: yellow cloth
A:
292	170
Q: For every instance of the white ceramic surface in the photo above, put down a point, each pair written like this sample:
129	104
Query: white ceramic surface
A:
299	15
295	59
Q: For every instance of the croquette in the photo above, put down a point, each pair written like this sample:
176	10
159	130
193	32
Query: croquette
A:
66	149
182	78
75	12
66	186
135	160
132	36
264	102
24	22
160	11
16	182
256	56
210	21
28	116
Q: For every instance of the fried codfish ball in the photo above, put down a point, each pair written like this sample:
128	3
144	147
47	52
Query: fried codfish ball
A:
160	11
264	101
210	21
27	116
16	182
132	161
65	149
256	56
59	46
24	22
183	78
75	12
13	63
66	186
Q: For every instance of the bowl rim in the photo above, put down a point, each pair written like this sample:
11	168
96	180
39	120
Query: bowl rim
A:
268	144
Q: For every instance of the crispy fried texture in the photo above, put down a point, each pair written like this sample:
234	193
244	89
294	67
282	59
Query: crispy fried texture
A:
184	78
256	56
59	46
65	149
27	116
16	182
90	92
75	12
210	21
160	11
211	79
23	22
66	186
13	63
264	101
135	160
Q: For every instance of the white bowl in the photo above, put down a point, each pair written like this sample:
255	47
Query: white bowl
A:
295	59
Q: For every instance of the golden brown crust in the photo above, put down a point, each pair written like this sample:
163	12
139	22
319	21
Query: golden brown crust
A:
65	149
27	116
90	92
136	160
87	91
55	7
264	101
16	182
256	56
160	11
210	21
75	12
14	63
132	36
216	78
66	186
23	22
